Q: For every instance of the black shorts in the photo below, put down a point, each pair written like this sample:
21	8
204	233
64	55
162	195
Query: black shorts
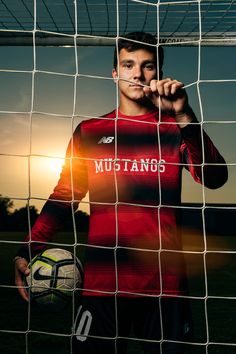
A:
108	325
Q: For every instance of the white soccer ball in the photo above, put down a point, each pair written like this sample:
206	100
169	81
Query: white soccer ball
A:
54	276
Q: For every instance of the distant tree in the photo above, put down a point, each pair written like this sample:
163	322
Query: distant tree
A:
6	207
24	218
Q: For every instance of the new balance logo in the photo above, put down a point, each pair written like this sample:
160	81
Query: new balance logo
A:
106	140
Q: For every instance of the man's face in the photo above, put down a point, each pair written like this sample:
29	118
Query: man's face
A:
138	68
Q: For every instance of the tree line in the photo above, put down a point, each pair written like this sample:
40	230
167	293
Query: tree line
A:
12	219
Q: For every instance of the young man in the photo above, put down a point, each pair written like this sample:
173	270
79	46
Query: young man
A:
131	160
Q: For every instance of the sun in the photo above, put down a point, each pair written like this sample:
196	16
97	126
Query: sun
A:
46	166
55	165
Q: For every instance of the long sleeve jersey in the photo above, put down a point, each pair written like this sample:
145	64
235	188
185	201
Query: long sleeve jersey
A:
132	168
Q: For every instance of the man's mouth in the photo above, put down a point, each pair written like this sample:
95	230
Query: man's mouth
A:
136	85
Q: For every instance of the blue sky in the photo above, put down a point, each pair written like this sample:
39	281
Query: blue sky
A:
47	133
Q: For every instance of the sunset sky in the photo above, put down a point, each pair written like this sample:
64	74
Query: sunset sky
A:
44	134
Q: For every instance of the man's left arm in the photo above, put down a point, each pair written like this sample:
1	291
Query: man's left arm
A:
203	160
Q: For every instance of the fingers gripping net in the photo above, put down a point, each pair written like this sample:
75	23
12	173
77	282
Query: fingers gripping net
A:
94	23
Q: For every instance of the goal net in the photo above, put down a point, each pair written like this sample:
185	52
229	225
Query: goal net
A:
55	68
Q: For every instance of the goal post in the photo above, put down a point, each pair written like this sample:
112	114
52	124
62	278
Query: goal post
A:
33	111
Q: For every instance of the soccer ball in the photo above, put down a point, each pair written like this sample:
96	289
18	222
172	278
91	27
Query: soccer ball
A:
54	274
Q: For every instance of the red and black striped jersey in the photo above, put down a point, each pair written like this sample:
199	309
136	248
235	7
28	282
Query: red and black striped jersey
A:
132	168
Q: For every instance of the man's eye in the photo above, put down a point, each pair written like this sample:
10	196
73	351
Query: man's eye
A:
127	65
150	66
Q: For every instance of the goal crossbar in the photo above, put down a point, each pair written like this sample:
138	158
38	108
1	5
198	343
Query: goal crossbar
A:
55	40
98	22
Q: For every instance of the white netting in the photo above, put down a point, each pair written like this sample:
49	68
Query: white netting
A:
45	94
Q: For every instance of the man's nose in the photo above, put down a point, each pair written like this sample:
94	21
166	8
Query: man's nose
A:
138	72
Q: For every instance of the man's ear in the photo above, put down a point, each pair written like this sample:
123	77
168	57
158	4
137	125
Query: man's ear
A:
114	74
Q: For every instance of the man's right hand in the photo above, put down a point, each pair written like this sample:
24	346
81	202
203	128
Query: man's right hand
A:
21	270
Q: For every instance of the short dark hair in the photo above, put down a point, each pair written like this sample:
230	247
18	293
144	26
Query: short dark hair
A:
139	40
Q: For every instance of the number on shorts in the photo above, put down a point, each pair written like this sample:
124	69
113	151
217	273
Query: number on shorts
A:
83	325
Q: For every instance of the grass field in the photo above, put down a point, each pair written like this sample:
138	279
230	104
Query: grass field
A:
35	331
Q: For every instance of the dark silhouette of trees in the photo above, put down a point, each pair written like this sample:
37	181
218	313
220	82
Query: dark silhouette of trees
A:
6	206
22	219
12	219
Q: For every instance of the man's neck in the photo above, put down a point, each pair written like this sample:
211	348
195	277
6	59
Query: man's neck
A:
134	108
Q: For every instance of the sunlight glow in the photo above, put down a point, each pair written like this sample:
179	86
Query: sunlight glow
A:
55	165
47	167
